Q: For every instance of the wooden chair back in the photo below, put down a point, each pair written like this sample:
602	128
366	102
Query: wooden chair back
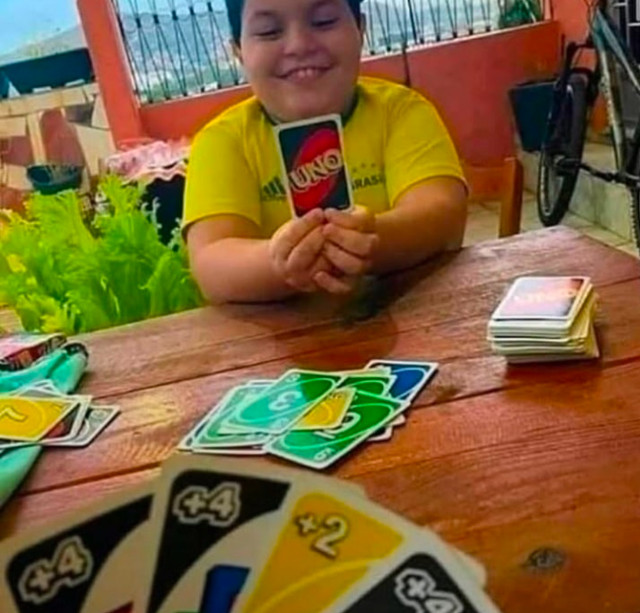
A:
503	183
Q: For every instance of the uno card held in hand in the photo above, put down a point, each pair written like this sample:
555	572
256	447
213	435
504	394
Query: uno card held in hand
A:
88	562
313	163
330	543
212	523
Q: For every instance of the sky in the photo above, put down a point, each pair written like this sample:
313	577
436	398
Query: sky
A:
25	21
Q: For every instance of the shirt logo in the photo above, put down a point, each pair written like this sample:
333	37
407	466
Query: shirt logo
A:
273	190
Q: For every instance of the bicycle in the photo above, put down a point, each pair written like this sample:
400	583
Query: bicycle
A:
574	95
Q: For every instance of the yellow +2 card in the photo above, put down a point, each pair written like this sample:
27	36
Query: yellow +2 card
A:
326	546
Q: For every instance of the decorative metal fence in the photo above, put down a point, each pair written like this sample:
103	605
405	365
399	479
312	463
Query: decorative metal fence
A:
179	48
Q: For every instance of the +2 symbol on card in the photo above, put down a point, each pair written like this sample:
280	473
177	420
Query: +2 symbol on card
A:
335	529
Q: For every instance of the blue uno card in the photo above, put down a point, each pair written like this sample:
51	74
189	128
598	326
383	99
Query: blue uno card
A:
412	377
223	585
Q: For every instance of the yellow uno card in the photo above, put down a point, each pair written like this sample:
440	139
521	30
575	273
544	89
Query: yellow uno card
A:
324	548
328	413
29	419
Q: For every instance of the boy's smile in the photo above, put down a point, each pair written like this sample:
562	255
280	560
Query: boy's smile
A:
301	57
304	74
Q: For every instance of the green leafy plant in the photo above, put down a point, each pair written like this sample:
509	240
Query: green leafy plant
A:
520	12
65	269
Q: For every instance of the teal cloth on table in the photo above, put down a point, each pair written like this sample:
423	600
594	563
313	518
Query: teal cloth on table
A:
64	368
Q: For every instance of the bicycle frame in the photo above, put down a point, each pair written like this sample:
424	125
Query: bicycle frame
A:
604	38
607	40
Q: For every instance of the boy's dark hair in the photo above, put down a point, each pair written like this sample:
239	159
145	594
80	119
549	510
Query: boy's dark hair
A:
234	11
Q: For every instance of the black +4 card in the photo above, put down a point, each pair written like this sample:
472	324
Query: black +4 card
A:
86	563
237	537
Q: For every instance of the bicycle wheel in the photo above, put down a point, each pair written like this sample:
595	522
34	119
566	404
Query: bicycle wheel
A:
566	139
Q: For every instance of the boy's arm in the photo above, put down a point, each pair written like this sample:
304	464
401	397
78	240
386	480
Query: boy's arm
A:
232	264
428	218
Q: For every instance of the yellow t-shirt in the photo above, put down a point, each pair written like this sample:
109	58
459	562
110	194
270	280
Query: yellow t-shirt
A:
393	140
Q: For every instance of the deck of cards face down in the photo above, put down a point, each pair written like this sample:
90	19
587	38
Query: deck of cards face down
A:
219	536
546	319
313	164
312	418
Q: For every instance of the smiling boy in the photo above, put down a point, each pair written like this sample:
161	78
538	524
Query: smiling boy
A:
302	60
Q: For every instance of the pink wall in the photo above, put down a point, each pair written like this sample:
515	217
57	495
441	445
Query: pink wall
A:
469	81
572	17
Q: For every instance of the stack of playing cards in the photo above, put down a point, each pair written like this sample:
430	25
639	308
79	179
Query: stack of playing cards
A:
312	418
40	414
215	536
544	319
22	349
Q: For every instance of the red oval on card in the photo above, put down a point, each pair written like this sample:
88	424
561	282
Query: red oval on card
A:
316	169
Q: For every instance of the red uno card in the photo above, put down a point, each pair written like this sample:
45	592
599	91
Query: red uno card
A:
313	163
543	298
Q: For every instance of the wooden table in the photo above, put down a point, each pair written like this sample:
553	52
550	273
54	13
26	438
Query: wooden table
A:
535	470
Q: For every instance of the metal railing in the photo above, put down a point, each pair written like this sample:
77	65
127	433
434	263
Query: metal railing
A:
179	48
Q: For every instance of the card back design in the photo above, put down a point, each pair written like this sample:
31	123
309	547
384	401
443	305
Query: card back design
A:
542	298
313	162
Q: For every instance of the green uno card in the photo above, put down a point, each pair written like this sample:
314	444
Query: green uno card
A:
378	384
208	432
320	449
286	401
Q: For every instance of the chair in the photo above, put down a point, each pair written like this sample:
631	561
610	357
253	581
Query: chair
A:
504	183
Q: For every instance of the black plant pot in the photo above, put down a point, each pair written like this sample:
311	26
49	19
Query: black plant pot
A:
169	195
49	179
531	103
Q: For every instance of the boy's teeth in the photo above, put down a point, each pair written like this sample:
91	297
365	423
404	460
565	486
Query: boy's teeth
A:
306	73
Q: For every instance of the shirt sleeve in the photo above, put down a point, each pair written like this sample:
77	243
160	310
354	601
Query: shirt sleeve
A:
419	147
219	179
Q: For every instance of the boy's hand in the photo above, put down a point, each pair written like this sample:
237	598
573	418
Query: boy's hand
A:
351	241
296	251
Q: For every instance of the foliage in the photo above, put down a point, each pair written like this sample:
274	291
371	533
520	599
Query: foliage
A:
520	12
64	269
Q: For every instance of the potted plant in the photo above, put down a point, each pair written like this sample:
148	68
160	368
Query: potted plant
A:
65	269
49	179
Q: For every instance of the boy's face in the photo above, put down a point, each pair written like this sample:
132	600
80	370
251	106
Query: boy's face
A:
301	57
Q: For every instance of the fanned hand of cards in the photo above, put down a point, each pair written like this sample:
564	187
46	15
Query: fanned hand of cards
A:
546	319
40	414
237	537
312	418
